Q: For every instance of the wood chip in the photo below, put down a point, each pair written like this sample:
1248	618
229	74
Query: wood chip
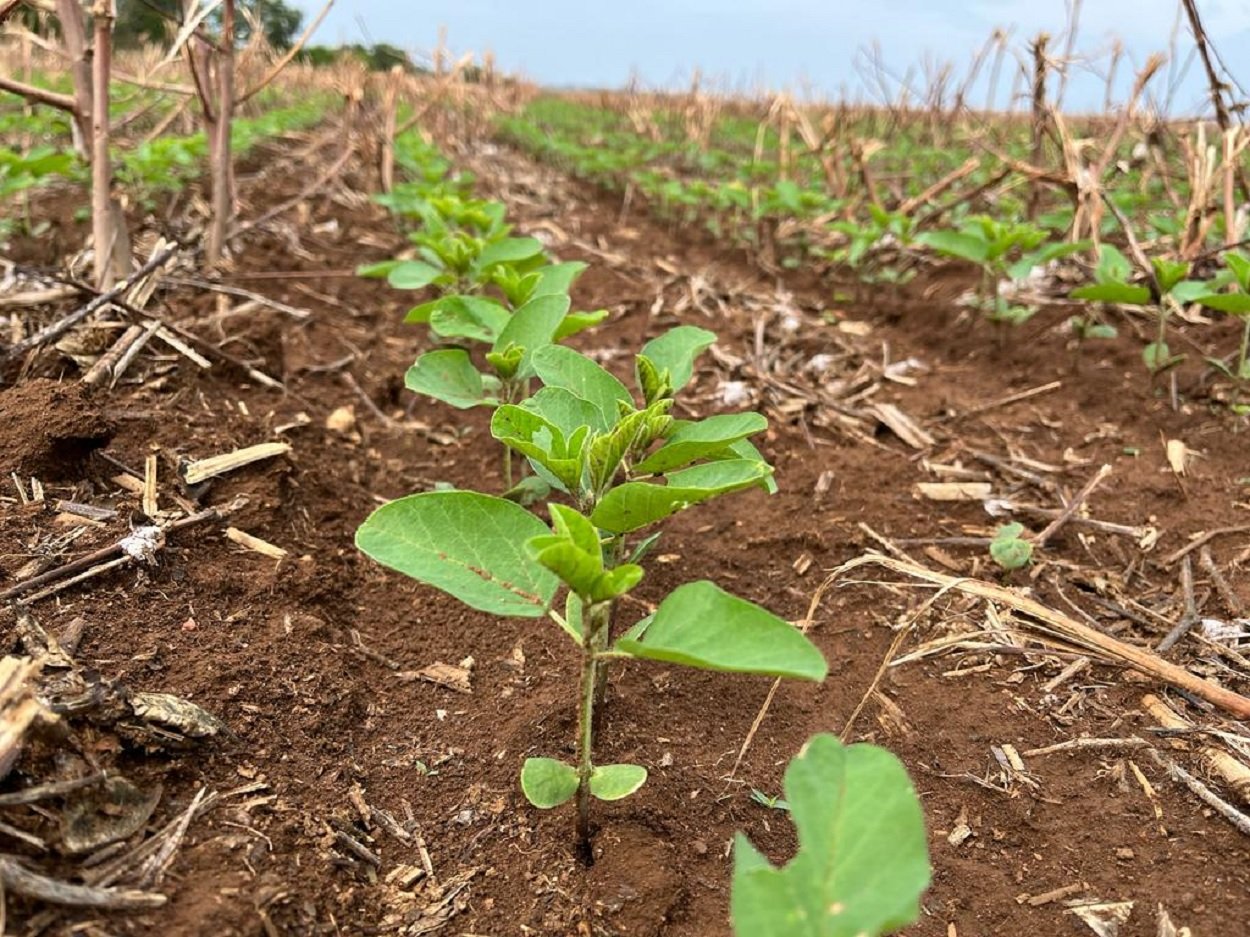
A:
255	544
953	491
444	675
203	469
902	425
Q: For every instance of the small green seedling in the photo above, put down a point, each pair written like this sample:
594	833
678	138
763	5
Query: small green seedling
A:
1009	550
626	465
772	803
1234	303
863	859
992	245
1113	284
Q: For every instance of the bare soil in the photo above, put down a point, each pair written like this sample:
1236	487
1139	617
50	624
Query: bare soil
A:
312	661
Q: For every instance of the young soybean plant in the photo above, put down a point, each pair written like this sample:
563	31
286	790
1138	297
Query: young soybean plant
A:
862	862
626	467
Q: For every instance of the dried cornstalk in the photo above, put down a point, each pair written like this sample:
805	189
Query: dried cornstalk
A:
1069	630
1219	762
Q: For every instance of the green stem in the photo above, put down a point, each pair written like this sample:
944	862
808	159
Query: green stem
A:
593	621
615	548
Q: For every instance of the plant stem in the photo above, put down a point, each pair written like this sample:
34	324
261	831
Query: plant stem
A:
616	547
594	621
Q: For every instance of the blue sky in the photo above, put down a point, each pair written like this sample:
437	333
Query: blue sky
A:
794	44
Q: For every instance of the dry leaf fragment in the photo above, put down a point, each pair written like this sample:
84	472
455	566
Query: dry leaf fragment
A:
1178	455
953	491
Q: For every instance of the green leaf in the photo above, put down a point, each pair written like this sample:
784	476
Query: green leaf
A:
1169	272
1239	265
469	545
421	313
412	275
615	782
542	441
532	326
862	862
1236	304
565	409
557	366
1157	356
1113	266
693	441
701	625
468	317
558	278
508	251
1190	291
448	375
636	504
548	783
676	350
958	244
574	553
576	322
1009	550
745	449
1124	293
529	491
377	271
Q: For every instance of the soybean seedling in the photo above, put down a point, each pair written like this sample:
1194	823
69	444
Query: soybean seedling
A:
1009	550
626	467
1235	303
1003	252
1113	284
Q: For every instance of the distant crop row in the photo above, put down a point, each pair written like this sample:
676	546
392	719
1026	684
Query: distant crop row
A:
880	211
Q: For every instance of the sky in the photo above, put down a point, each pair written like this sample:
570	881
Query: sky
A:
816	48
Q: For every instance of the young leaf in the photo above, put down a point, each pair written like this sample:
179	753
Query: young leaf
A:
576	322
466	544
693	441
556	279
509	251
1123	293
377	271
412	275
548	783
533	325
468	317
615	782
1157	356
1009	550
448	375
862	862
676	350
542	441
1236	304
1113	266
636	504
565	409
1169	272
557	366
701	625
960	244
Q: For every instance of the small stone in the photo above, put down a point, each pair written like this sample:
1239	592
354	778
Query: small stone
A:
700	847
1125	854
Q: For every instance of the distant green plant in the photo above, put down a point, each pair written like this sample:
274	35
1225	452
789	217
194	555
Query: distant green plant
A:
1235	303
1002	251
1113	284
863	858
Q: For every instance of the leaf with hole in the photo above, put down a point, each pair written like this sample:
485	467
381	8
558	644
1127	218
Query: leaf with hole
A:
862	862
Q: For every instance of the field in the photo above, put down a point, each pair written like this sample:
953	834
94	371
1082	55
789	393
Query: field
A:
1003	362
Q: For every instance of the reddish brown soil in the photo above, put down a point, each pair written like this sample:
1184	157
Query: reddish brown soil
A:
306	659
